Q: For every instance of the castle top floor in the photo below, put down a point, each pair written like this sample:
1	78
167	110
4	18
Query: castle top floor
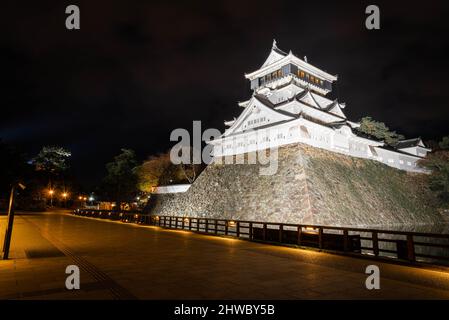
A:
280	65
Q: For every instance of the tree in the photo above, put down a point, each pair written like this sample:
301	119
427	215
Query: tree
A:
52	159
438	163
120	182
379	130
159	170
444	143
189	169
155	171
151	171
50	164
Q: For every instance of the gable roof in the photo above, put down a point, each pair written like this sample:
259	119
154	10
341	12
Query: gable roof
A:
276	54
307	98
277	58
415	142
264	103
393	149
336	108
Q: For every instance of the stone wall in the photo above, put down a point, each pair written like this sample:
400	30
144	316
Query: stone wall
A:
311	186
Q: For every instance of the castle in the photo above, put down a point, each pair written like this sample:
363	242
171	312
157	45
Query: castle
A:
289	105
328	172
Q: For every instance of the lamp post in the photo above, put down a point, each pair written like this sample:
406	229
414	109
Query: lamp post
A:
64	196
51	197
8	233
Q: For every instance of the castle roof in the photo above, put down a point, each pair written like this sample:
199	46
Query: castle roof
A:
277	58
409	143
394	149
276	54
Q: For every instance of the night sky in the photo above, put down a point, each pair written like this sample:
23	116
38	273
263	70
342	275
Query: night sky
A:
138	69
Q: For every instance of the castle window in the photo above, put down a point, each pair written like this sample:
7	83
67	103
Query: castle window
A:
312	78
302	74
279	73
321	82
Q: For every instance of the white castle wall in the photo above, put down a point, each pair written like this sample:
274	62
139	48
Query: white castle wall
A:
304	131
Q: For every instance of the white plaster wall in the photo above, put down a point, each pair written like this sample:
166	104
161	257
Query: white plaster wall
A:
398	160
177	188
340	141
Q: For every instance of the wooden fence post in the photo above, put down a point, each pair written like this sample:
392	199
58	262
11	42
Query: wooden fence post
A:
281	228
320	237
264	232
299	235
410	248
345	241
250	231
238	229
375	243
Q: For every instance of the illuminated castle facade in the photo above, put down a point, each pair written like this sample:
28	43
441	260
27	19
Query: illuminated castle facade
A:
289	105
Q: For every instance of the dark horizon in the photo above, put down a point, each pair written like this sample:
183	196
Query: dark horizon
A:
135	71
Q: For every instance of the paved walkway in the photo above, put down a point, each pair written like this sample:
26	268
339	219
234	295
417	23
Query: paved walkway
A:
126	261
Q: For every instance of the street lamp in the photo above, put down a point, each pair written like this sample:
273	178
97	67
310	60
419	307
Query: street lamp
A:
8	233
51	197
64	196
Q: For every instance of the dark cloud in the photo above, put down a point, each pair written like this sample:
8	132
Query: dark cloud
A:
138	69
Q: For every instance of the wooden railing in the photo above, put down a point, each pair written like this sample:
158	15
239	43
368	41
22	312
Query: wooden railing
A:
386	244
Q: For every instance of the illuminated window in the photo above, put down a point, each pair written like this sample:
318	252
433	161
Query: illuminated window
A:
302	74
321	82
317	80
312	78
